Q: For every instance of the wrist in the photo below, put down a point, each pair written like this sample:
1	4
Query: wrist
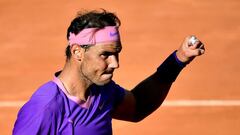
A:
182	58
180	62
170	68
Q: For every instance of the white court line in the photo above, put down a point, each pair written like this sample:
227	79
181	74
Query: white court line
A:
12	103
167	103
199	103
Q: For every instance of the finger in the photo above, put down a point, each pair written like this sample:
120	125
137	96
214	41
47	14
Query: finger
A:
198	52
192	40
201	51
201	46
195	45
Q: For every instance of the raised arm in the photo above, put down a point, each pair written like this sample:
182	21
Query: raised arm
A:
148	95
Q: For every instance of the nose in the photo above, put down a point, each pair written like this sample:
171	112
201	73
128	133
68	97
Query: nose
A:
113	62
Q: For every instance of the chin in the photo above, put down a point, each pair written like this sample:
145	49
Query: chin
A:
102	83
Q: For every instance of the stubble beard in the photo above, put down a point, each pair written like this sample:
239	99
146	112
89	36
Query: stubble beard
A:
90	81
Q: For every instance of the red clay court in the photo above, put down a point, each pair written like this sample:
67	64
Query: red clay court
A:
205	99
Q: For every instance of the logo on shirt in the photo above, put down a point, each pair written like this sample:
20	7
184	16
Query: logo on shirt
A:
101	106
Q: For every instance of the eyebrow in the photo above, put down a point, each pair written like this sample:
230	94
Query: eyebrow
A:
115	51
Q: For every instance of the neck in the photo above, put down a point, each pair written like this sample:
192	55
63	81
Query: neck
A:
74	83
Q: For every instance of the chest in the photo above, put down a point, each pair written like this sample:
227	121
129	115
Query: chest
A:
95	120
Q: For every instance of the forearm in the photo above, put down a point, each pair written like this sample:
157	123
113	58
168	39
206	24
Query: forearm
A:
151	92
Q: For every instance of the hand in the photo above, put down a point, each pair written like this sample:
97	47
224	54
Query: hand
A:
188	51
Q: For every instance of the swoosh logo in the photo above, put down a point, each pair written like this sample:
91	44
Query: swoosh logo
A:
112	34
101	106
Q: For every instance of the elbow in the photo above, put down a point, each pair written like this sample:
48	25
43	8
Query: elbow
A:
138	118
142	111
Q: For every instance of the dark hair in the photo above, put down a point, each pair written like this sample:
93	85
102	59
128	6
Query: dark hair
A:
91	19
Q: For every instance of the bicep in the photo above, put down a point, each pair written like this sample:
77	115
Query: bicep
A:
126	109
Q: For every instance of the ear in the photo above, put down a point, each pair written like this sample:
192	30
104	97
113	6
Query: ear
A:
77	52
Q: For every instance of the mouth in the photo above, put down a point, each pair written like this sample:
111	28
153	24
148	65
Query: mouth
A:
108	74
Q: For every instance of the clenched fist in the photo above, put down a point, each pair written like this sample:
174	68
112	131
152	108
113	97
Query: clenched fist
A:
189	49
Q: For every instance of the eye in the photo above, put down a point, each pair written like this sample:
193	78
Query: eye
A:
105	55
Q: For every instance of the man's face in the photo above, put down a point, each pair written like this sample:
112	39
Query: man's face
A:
100	61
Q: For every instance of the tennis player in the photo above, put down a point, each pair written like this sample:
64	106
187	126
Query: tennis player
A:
82	98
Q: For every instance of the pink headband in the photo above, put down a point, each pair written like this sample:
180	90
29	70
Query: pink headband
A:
91	36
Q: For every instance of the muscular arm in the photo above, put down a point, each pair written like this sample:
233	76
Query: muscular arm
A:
148	95
151	92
